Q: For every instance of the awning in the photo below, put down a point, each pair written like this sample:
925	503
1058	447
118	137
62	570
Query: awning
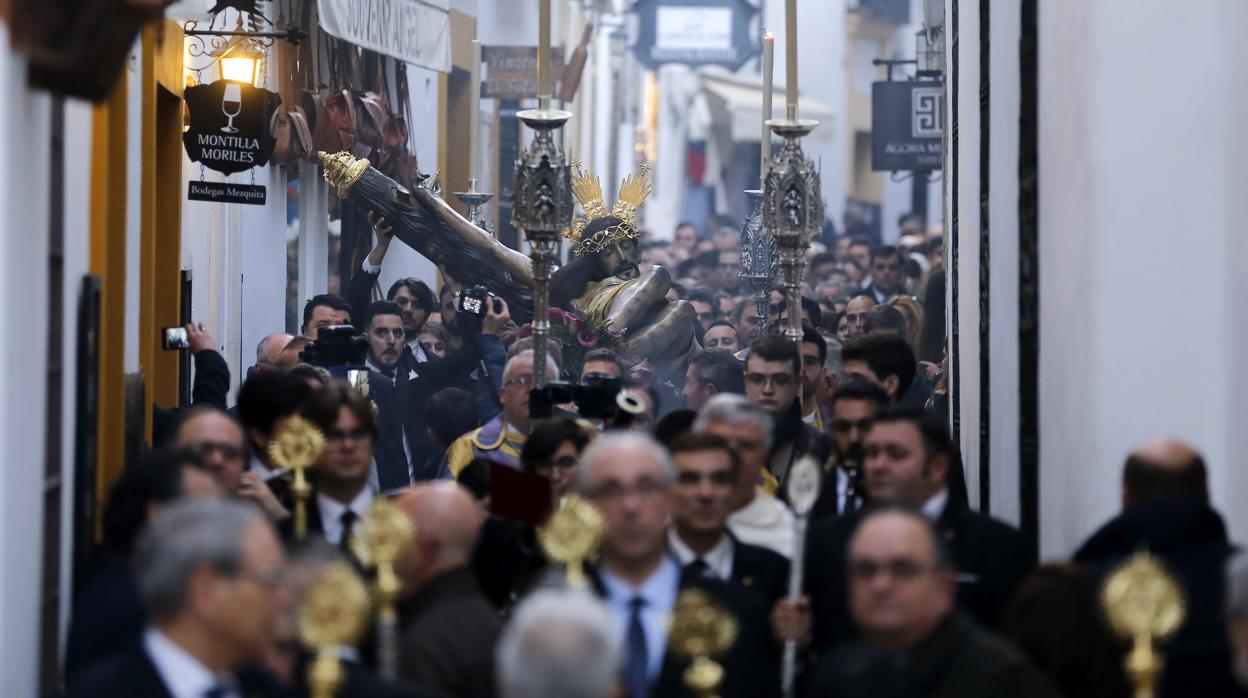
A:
738	102
413	31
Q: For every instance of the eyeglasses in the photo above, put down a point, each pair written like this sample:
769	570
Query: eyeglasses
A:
383	332
271	579
901	570
613	492
721	478
338	435
779	380
522	381
844	426
560	463
203	449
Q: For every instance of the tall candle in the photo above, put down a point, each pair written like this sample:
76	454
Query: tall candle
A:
769	59
474	114
790	41
543	49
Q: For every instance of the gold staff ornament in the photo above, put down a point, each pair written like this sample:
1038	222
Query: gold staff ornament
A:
332	614
342	170
297	446
702	630
1145	604
379	540
571	537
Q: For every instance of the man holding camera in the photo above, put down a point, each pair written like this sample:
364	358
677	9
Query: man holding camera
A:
401	389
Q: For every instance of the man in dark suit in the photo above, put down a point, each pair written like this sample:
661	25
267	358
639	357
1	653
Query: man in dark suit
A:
885	274
914	643
448	629
706	473
341	494
854	405
1165	509
629	477
908	457
402	389
213	582
773	376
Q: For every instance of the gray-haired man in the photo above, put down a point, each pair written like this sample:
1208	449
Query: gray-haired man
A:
559	644
212	579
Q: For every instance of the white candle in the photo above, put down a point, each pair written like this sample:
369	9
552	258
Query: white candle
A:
543	49
474	114
769	58
790	40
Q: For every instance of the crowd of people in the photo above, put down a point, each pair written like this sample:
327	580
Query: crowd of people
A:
906	589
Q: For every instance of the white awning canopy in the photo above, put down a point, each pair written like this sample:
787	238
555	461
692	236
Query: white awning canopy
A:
738	102
413	31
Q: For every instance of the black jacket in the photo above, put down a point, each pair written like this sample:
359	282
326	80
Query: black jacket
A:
760	570
957	660
448	632
210	388
751	667
991	560
132	674
1191	539
805	441
108	613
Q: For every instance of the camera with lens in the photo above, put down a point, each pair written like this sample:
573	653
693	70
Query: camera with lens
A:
595	398
472	301
336	347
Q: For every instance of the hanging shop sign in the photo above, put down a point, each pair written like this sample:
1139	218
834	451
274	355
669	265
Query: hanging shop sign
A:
907	120
413	31
511	71
695	32
228	133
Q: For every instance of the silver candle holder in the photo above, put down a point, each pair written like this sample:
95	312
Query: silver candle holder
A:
760	261
475	201
793	210
542	208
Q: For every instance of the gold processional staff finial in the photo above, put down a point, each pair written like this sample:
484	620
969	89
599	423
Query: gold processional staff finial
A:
1144	604
332	614
297	446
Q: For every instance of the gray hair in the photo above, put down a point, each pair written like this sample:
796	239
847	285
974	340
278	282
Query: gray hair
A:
1237	586
608	446
559	644
261	358
551	363
186	537
737	410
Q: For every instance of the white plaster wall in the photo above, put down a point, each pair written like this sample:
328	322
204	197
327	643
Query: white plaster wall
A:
24	207
134	203
967	164
1137	220
1003	71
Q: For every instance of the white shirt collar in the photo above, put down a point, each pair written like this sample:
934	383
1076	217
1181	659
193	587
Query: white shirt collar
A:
332	511
418	351
765	521
183	674
265	472
934	507
718	558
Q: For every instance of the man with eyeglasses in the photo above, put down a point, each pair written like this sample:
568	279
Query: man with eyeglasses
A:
885	274
402	389
213	583
902	585
773	373
218	440
629	477
502	438
910	461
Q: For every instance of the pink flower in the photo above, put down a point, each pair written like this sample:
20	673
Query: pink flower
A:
587	338
524	331
557	316
575	315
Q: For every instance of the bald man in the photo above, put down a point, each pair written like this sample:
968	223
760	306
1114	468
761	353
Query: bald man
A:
1165	509
448	629
269	351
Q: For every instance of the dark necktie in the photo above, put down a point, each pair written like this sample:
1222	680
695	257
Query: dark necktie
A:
217	691
348	527
638	676
698	568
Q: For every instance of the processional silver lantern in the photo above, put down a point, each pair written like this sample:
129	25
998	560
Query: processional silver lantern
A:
793	208
542	197
759	259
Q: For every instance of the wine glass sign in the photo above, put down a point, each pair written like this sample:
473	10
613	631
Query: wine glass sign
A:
231	105
229	133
